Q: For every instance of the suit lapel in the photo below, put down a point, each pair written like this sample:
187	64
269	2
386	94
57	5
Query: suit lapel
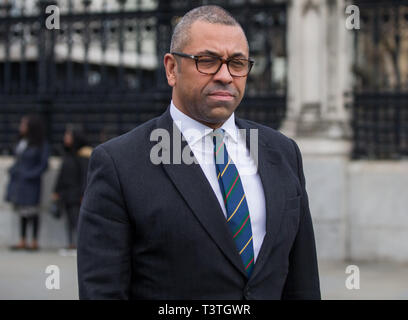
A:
273	181
192	184
194	187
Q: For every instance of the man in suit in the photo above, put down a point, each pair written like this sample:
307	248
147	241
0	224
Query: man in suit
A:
230	224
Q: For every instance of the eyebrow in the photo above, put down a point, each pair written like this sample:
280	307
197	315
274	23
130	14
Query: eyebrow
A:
212	53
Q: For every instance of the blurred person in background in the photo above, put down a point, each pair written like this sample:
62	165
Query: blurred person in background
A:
24	188
71	179
107	133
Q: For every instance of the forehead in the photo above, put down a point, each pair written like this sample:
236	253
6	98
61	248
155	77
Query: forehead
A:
218	38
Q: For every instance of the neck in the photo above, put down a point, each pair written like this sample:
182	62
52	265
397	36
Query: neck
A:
211	125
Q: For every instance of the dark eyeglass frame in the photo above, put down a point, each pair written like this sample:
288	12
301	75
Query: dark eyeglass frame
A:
226	61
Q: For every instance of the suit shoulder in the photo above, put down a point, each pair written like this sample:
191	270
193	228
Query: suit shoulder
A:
272	135
135	139
285	146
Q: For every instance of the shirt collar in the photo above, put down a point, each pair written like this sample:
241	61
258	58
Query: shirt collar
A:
194	131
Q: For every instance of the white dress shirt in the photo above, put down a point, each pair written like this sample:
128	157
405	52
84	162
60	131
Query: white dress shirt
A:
199	139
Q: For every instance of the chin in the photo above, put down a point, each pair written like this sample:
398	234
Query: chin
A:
218	114
225	107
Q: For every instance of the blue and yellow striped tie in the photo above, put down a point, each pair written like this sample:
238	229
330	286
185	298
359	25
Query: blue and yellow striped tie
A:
238	217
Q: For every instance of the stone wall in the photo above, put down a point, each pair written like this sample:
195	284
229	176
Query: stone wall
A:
359	208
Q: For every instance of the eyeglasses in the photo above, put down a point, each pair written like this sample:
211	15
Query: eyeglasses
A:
210	65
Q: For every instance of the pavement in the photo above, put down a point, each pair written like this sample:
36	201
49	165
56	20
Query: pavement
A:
377	280
24	276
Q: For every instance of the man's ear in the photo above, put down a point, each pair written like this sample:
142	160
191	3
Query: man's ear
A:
170	64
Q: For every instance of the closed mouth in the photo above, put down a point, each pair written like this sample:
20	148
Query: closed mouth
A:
221	93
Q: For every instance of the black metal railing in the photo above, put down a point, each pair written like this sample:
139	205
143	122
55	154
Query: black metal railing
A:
380	123
103	68
380	107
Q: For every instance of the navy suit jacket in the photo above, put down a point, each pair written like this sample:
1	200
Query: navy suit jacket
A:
151	231
24	187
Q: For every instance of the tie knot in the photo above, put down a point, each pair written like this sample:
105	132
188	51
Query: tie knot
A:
218	136
219	132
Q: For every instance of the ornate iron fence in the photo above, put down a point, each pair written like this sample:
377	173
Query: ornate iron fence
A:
103	67
380	107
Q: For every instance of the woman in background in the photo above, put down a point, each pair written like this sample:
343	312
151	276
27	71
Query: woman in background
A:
71	180
24	188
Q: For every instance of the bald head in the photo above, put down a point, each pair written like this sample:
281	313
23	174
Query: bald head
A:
210	14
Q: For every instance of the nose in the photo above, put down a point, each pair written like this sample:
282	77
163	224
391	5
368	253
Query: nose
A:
223	75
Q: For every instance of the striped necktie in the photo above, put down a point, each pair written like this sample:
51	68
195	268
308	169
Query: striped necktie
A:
238	218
